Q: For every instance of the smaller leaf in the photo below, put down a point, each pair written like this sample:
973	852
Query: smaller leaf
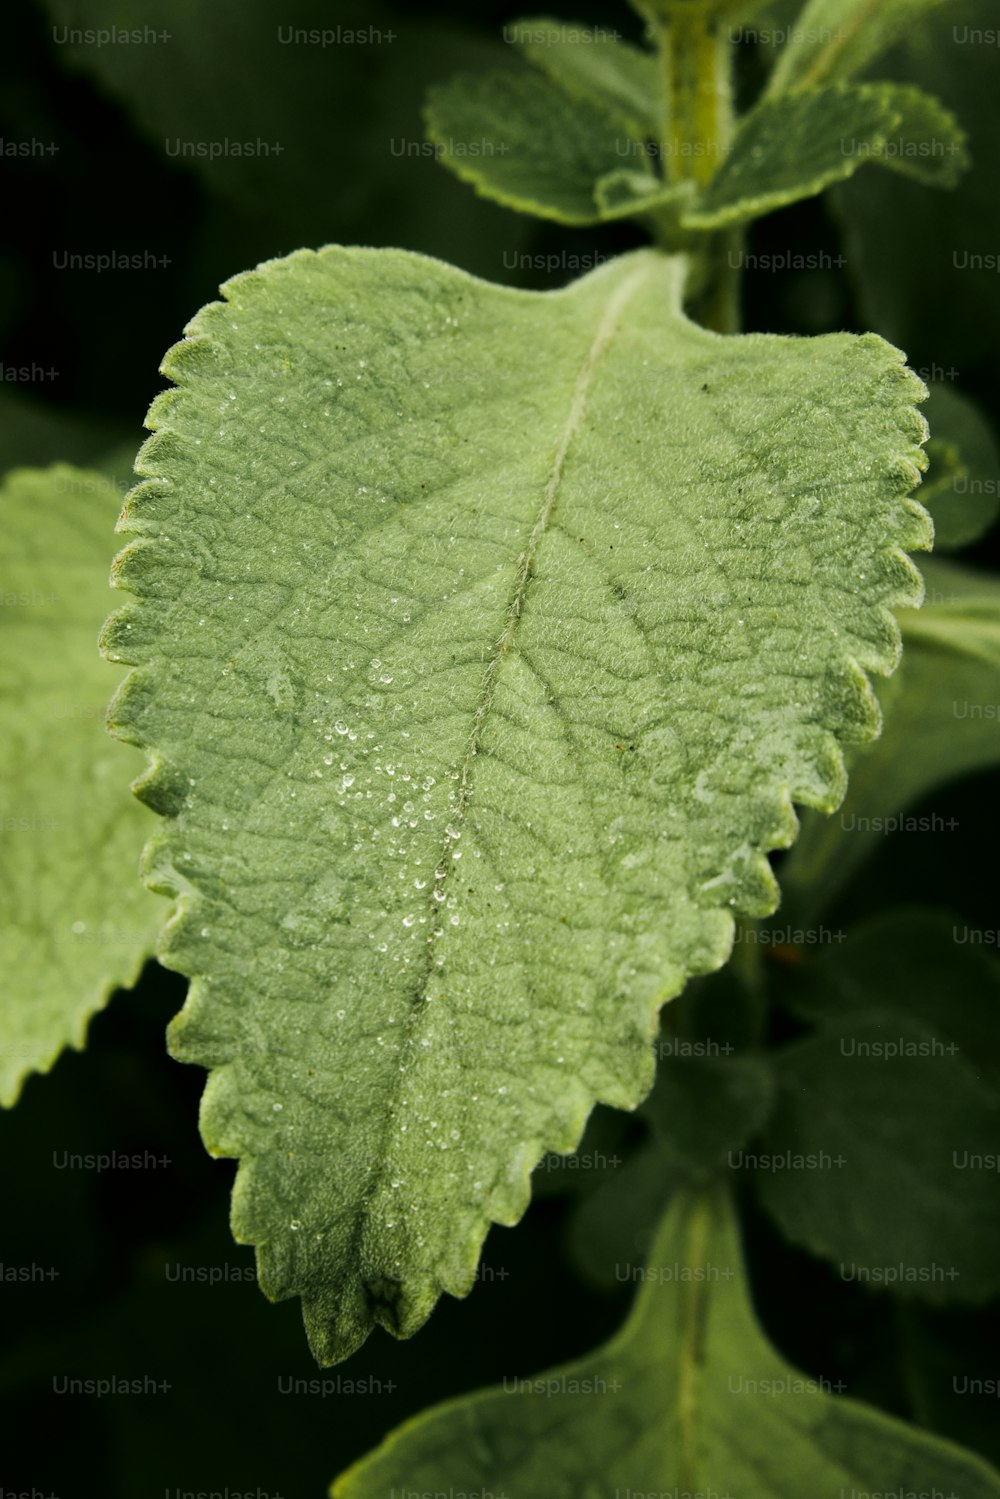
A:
848	1184
633	193
941	714
794	146
78	923
521	139
952	983
688	1398
838	39
929	144
964	619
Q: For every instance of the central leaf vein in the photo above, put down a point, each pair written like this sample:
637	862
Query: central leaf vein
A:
526	561
525	571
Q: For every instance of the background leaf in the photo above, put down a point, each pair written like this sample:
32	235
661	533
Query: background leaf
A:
77	922
943	303
598	66
299	126
962	484
688	1397
952	982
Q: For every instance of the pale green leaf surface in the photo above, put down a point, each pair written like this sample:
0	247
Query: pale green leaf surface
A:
794	146
484	639
77	922
838	39
942	712
522	140
593	64
689	1398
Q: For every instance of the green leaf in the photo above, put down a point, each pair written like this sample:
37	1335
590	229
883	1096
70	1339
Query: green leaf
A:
942	304
483	641
941	714
930	144
796	145
962	484
848	1184
596	65
741	1092
631	194
688	1398
77	923
523	141
663	11
952	982
838	39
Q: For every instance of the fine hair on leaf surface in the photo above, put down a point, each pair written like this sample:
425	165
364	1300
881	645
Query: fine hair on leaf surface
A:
483	640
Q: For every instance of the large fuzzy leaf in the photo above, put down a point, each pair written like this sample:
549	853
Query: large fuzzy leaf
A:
77	923
688	1399
483	640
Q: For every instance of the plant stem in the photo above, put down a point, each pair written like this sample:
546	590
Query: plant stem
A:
696	60
718	306
696	67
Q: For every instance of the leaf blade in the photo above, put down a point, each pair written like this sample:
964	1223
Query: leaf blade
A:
521	139
796	145
475	423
